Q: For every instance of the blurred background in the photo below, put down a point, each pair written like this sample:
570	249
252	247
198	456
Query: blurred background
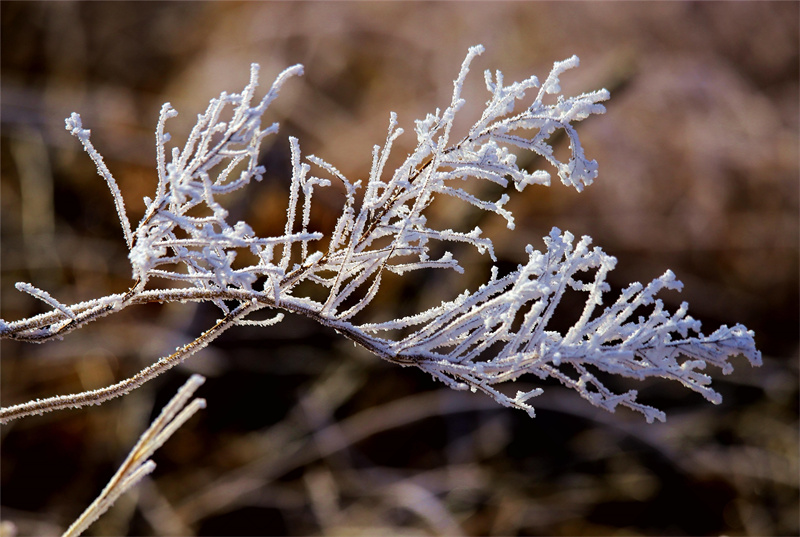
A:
305	434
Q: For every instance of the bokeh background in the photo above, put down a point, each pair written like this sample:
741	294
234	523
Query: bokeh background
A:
306	435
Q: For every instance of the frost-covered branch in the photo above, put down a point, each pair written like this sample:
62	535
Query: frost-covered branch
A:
482	339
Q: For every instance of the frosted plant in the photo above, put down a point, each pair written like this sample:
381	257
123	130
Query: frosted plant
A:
479	340
138	463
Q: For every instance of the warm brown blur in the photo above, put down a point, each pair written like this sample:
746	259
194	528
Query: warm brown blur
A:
305	435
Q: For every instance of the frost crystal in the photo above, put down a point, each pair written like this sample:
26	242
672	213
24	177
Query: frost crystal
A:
479	340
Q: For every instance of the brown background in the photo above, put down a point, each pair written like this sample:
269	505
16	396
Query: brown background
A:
305	435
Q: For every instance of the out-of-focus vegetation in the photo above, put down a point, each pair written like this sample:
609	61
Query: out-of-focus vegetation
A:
306	435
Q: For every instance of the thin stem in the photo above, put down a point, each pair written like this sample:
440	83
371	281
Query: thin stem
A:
96	397
138	464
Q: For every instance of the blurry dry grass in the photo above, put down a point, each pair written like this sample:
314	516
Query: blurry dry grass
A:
305	435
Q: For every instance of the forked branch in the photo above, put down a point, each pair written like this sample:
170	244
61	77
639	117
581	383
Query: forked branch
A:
483	339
